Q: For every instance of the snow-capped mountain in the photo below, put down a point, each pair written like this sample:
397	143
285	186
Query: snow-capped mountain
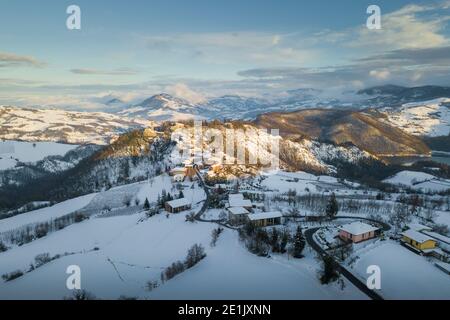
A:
396	96
28	124
163	107
400	107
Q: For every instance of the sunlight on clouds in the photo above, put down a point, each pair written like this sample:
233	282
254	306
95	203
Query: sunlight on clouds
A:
380	74
181	90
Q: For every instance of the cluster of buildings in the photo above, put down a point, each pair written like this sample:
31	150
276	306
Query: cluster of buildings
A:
241	211
417	238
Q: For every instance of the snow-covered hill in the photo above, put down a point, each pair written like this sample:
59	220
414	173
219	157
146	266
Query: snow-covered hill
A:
63	126
14	152
428	118
419	181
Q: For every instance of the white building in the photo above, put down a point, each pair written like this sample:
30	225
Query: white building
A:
237	215
265	219
237	200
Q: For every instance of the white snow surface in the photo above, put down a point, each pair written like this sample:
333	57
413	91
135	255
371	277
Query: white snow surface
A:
45	214
12	152
419	180
404	274
430	118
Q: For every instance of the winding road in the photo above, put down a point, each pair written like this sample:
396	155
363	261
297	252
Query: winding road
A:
309	235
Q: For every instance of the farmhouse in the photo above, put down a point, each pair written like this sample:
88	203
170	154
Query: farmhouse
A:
265	219
237	200
178	205
177	171
237	215
418	241
357	231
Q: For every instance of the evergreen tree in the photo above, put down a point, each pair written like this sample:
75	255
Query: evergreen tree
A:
284	241
299	243
329	270
332	207
180	194
146	204
274	240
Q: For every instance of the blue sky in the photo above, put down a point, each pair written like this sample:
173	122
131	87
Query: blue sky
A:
196	48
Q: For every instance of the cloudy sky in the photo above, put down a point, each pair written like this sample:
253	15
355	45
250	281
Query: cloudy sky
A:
202	48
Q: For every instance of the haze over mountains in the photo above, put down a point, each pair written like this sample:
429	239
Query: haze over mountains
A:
381	120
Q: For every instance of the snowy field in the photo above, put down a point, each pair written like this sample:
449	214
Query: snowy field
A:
419	181
430	118
130	253
45	214
404	274
13	151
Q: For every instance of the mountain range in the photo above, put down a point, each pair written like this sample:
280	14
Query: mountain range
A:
420	111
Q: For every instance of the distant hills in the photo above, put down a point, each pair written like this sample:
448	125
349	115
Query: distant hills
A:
419	111
361	129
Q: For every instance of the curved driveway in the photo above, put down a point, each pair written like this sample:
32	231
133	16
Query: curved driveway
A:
309	235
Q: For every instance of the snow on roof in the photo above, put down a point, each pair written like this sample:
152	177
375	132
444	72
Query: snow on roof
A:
176	169
418	227
265	215
417	236
238	210
437	236
357	228
179	203
237	200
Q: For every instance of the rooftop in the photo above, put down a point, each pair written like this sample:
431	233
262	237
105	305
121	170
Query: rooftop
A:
179	203
418	227
265	215
237	200
358	228
238	210
417	236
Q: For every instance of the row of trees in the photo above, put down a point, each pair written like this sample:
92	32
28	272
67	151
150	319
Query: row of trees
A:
194	255
29	233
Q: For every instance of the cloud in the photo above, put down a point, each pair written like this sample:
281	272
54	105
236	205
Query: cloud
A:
14	60
380	74
232	47
412	26
425	56
181	90
117	72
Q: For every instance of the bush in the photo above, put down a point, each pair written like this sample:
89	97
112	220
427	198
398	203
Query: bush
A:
79	217
215	236
42	259
195	254
3	247
13	275
81	295
173	270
